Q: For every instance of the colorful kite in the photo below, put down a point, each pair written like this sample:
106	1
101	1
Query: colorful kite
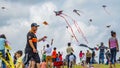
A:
61	14
105	9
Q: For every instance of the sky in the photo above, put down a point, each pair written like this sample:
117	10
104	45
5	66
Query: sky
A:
16	18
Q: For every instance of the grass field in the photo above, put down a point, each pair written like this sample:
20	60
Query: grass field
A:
96	66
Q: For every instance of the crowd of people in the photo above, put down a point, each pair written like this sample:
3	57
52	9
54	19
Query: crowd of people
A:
53	59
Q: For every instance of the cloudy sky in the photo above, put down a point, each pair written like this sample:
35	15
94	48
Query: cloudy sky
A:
16	18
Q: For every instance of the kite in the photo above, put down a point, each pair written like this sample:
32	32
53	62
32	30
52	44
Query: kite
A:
108	26
61	14
90	20
84	45
76	11
3	8
104	7
45	23
52	41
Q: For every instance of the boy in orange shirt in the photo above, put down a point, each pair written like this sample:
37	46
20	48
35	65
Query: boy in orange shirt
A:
54	54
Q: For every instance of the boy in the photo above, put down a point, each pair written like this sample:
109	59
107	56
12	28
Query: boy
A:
19	63
54	54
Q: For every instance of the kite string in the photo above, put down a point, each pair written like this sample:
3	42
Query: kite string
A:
78	28
70	27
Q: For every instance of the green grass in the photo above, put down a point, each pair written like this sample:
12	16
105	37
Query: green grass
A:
96	66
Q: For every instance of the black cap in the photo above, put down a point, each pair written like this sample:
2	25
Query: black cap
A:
34	24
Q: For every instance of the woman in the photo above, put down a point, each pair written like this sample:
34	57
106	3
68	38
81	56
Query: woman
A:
113	45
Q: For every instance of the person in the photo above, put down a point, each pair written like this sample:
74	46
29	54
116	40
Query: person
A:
72	59
101	53
93	57
108	55
14	58
19	63
57	58
60	56
81	56
43	64
3	43
114	48
54	54
48	52
88	57
69	50
43	54
31	52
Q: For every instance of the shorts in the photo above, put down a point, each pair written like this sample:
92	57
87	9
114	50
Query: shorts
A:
31	57
53	59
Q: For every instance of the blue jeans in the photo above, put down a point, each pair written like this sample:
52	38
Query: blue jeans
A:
67	57
101	58
113	55
3	55
93	60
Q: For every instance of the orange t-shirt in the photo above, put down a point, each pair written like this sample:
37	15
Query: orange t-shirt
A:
54	53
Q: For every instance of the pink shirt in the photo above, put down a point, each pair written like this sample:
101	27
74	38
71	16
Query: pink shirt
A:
80	55
113	42
43	65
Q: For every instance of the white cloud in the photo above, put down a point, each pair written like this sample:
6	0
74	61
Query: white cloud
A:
20	16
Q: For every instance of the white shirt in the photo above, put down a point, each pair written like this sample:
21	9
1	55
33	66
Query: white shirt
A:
48	51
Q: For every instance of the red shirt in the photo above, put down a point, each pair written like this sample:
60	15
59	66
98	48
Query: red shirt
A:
60	57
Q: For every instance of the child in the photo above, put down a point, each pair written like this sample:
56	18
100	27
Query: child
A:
44	56
3	43
43	64
54	54
80	56
108	57
19	63
57	58
60	56
114	47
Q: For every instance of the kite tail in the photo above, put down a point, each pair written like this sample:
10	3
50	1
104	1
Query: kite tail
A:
70	27
80	31
78	28
107	11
